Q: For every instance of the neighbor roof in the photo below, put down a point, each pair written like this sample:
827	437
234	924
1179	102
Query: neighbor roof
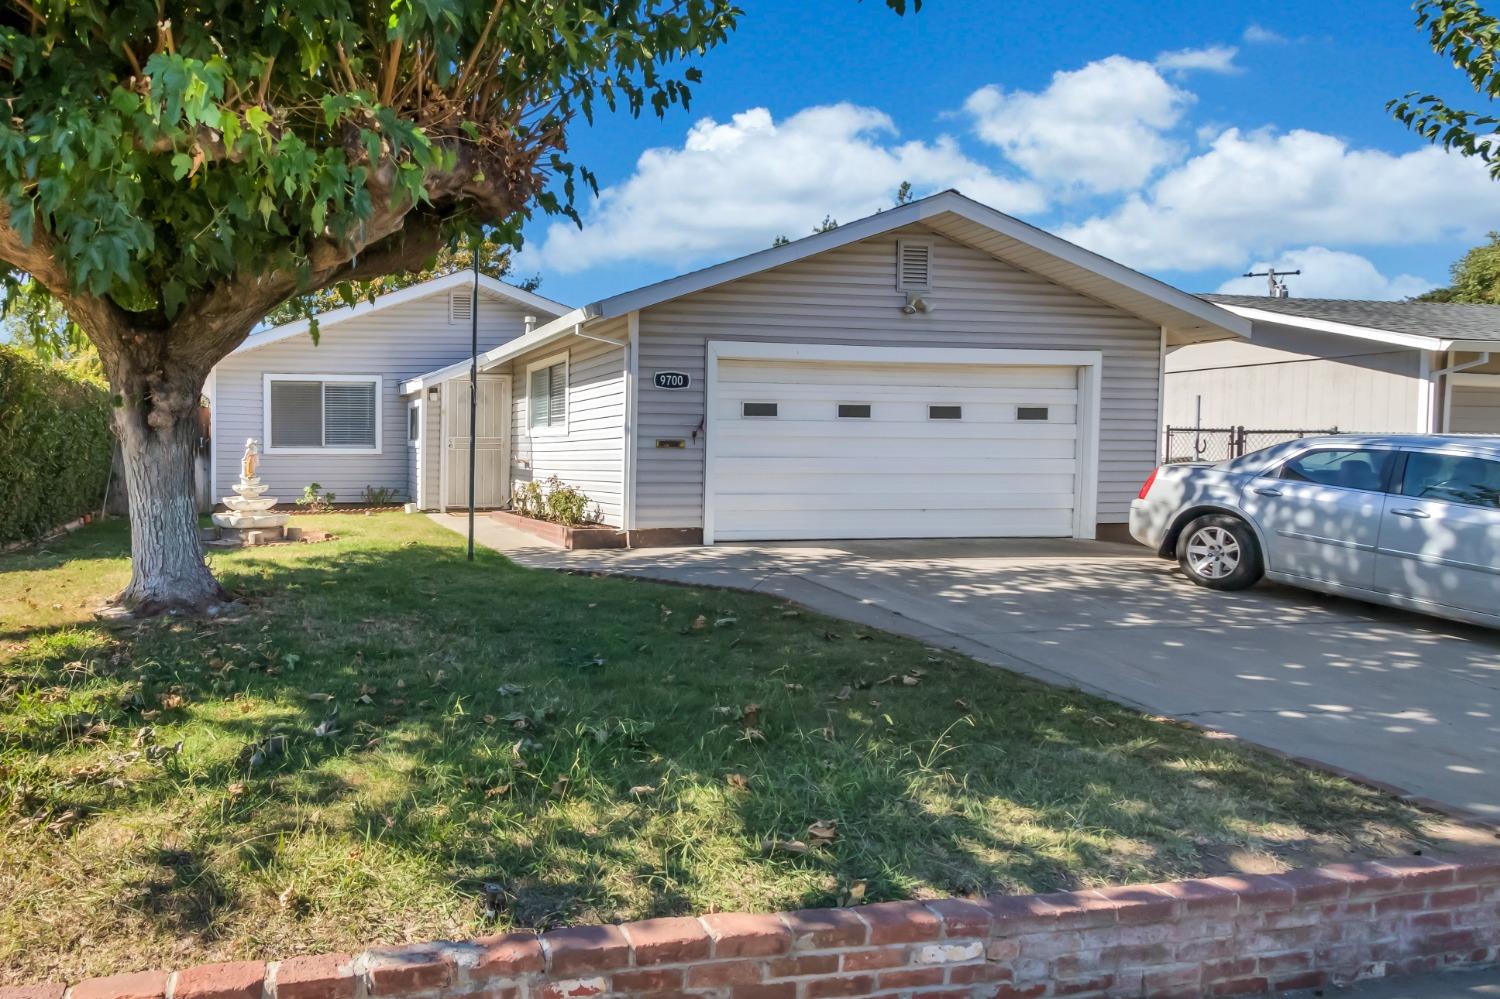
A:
1444	324
459	279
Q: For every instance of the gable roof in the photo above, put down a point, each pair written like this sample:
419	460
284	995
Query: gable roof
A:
1423	325
1187	318
459	279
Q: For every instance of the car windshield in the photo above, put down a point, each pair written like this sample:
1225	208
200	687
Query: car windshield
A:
1258	461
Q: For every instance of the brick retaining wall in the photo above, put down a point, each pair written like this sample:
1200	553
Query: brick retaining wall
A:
1216	936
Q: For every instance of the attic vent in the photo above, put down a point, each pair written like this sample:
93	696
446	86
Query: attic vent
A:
913	266
460	306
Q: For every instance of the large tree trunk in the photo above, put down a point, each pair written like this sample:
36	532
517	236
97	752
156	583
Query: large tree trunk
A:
158	428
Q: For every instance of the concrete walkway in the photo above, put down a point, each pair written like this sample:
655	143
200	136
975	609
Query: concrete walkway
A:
1454	985
1398	698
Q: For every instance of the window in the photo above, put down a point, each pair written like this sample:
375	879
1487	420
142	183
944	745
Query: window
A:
414	423
336	413
945	412
1031	412
547	395
1346	469
913	265
1452	478
760	409
854	410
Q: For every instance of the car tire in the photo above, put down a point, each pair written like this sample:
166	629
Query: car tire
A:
1220	552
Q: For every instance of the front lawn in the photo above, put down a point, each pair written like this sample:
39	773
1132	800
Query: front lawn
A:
390	728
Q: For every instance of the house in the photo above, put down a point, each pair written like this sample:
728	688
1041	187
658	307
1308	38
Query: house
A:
332	412
935	370
1360	366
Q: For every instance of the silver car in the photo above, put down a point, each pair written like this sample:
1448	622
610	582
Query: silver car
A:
1409	521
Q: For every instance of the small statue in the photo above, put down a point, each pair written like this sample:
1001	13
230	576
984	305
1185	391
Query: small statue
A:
251	461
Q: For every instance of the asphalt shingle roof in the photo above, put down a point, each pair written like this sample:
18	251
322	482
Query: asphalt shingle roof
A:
1443	320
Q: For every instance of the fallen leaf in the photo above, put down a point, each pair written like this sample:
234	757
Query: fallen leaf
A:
823	832
738	781
750	714
753	735
793	846
316	696
700	622
488	719
725	622
642	790
910	681
497	791
237	789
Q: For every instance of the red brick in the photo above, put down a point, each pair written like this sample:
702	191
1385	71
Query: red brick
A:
581	949
1306	980
807	964
739	934
507	956
978	974
574	988
942	994
136	985
1314	885
1013	992
1170	982
231	980
783	990
874	959
1414	901
1136	904
910	978
1200	898
1432	921
1256	891
1365	878
667	941
1077	910
1076	986
1237	967
1420	872
816	929
648	980
45	990
1272	965
319	976
900	922
1240	987
1441	942
408	969
961	918
1453	898
1135	955
1014	915
851	985
1478	868
711	976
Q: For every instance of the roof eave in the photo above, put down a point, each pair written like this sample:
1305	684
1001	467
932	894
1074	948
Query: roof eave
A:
1413	340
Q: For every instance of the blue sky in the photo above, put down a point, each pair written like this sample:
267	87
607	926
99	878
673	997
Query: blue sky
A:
1190	140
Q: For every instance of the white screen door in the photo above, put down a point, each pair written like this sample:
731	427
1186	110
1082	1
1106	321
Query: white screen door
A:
492	444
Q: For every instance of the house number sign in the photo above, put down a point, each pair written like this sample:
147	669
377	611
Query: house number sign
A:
671	380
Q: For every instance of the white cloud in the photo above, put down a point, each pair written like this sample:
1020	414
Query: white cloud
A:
1257	34
1098	129
1329	274
732	186
1212	59
1251	193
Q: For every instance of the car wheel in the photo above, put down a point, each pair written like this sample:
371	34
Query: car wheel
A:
1220	552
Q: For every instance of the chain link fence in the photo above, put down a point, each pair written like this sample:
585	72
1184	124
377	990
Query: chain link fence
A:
1216	444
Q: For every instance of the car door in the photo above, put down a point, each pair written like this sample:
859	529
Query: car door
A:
1319	512
1440	531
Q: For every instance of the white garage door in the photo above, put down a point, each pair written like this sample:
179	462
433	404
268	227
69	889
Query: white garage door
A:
1475	409
812	449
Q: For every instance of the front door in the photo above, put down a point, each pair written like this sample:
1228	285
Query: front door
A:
491	443
1440	536
1320	513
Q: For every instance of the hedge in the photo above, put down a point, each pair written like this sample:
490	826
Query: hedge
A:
55	445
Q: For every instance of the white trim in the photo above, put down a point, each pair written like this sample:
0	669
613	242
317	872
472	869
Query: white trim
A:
1192	310
265	413
212	385
458	279
1341	329
560	357
566	326
1090	365
442	443
628	455
414	404
1476	380
1161	400
1424	393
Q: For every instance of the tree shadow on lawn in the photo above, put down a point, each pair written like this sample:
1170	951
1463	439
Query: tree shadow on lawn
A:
601	749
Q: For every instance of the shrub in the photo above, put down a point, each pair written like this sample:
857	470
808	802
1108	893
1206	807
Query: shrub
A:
554	500
381	495
55	444
314	500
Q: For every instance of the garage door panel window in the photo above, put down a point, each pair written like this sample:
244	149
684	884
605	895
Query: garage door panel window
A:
1036	413
1452	478
758	410
945	412
1352	468
322	413
854	410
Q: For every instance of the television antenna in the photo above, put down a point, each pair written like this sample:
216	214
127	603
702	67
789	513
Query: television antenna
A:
1274	287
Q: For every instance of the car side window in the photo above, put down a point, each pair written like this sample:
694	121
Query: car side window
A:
1452	478
1345	468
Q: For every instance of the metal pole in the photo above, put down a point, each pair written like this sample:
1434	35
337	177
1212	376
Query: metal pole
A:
473	389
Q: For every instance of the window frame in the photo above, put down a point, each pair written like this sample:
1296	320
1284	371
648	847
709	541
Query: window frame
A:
945	419
378	381
1393	470
776	404
1046	412
1398	482
838	413
415	406
550	430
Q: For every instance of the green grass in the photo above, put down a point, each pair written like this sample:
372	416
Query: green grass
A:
601	749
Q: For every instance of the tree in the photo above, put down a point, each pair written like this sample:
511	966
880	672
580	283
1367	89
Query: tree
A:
171	172
1474	277
1461	31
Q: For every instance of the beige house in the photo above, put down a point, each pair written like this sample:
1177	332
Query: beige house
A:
936	370
1359	366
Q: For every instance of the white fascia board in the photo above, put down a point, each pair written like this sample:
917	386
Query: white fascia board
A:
1342	329
946	202
561	327
448	282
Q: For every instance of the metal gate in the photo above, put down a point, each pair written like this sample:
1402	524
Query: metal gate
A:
1223	443
491	443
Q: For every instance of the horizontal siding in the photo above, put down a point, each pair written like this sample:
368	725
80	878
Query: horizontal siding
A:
397	343
848	296
590	456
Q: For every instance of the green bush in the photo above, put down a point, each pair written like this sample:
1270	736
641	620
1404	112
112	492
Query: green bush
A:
55	445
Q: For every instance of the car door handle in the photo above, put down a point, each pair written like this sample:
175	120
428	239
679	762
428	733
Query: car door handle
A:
1267	491
1414	514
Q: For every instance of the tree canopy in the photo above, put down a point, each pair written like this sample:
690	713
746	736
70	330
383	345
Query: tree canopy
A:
1463	32
1474	277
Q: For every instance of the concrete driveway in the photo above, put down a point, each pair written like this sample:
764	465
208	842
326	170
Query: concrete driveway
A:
1405	700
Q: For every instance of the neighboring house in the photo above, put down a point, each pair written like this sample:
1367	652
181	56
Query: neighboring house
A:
1359	366
936	370
333	413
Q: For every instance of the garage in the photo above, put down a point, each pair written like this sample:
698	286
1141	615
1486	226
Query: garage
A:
1474	404
821	442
